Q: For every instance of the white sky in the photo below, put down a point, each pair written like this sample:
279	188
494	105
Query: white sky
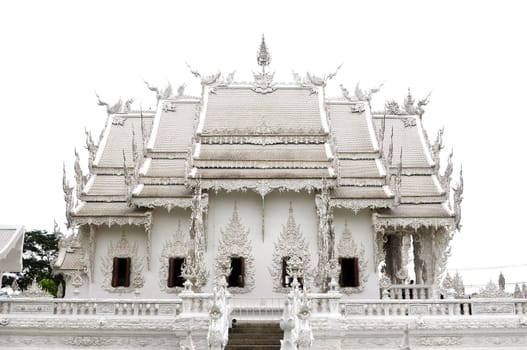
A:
55	54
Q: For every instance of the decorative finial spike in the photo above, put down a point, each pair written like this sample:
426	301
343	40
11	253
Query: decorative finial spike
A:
264	56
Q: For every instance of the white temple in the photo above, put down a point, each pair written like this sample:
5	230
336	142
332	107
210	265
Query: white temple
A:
261	192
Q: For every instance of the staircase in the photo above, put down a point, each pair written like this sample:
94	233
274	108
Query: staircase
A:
254	336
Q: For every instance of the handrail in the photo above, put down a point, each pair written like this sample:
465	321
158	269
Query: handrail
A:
218	334
295	321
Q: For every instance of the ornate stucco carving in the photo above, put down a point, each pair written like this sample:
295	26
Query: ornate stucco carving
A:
359	204
167	203
441	251
197	272
266	185
35	291
413	223
380	253
112	220
277	137
325	237
123	249
176	247
68	196
347	248
235	242
290	243
491	290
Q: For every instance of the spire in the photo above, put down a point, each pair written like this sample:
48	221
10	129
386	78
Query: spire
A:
264	57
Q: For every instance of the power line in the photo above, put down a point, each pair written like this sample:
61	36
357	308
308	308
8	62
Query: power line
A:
486	268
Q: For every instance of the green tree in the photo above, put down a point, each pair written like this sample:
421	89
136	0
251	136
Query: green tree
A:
40	249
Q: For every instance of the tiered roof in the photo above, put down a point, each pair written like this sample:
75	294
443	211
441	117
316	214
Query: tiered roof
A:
262	141
104	197
265	136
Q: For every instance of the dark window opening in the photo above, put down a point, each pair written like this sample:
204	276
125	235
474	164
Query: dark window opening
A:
121	272
174	272
286	279
349	272
237	276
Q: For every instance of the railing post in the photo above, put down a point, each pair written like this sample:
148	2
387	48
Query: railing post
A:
287	324
218	334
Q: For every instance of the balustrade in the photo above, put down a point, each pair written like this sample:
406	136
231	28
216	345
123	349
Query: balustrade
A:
430	307
94	307
407	291
322	305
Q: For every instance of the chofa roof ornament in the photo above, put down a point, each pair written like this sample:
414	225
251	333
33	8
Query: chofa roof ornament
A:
263	80
264	56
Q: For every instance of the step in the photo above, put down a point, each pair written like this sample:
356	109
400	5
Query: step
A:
252	341
254	336
252	347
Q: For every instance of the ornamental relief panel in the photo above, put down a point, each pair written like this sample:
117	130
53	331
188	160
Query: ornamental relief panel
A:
291	242
123	249
347	248
235	242
176	247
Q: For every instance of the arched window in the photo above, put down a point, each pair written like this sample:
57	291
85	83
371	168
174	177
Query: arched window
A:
174	272
349	272
121	272
237	276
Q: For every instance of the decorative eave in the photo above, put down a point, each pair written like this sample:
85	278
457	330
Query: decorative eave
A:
147	180
153	153
263	131
260	164
262	139
384	223
167	203
263	187
359	204
357	155
112	220
98	219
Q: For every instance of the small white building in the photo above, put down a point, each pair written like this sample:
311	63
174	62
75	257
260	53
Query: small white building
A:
11	245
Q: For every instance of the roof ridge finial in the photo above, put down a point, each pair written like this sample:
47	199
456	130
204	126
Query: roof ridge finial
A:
264	56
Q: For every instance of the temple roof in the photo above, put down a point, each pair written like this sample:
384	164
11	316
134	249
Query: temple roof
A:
11	244
262	136
241	110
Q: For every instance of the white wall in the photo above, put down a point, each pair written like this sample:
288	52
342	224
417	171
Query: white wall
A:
263	239
276	214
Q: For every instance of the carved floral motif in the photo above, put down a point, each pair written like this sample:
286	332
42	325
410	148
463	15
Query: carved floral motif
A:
290	243
176	247
347	248
123	249
235	242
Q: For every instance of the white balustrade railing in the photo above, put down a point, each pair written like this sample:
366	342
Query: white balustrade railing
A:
407	291
322	305
196	303
257	308
433	307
